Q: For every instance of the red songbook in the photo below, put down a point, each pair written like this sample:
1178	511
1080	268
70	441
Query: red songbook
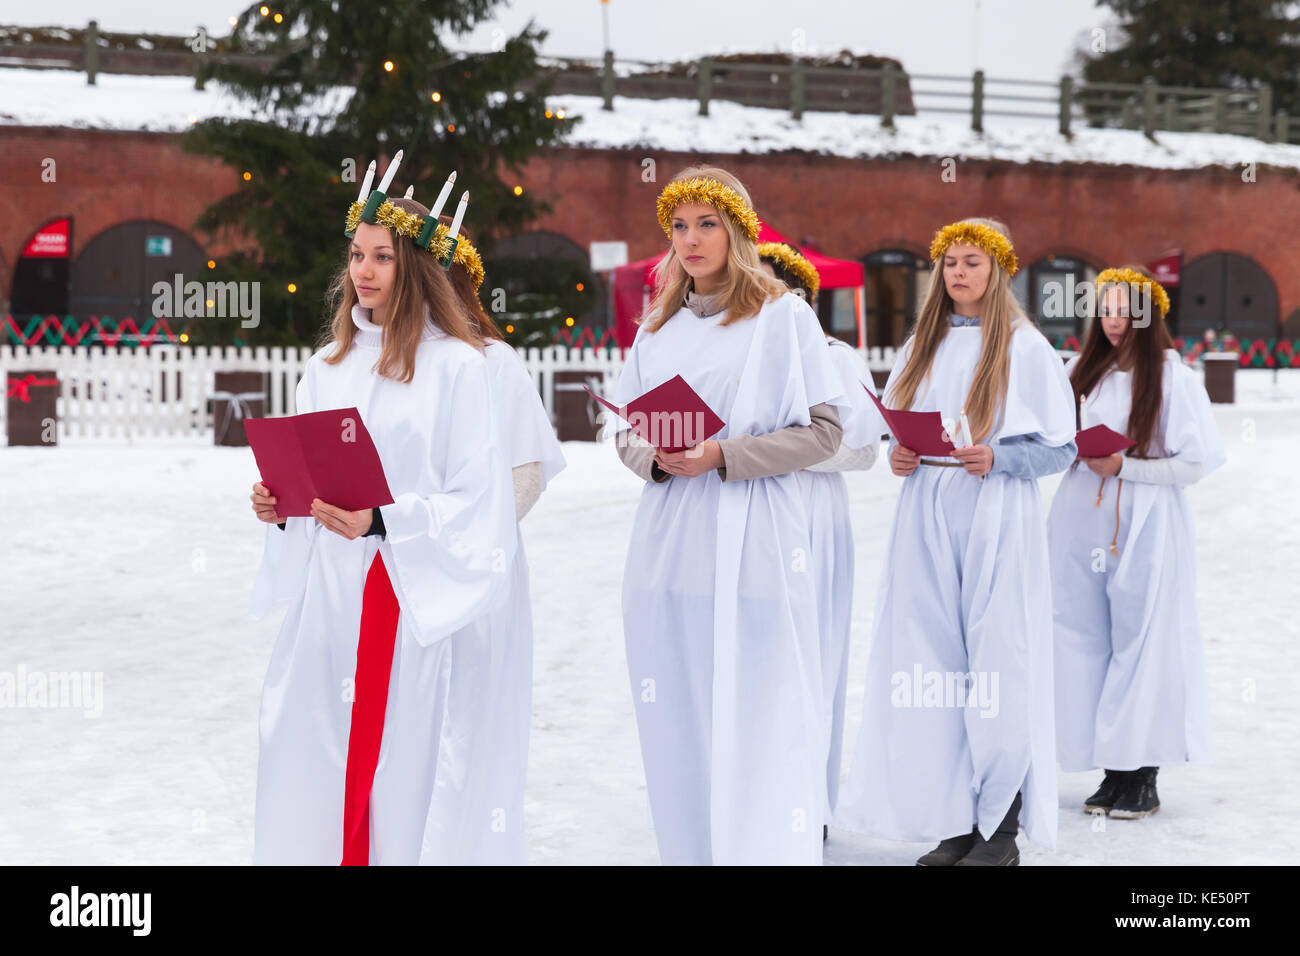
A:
327	455
1100	441
672	417
922	432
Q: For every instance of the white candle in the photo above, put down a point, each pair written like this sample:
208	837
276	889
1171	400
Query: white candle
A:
443	194
460	213
365	183
965	427
390	172
1083	413
410	193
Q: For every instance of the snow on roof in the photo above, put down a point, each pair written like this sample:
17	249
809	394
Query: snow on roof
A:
62	98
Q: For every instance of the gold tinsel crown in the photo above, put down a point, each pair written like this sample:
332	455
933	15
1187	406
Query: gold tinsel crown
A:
467	258
402	223
975	234
1132	278
709	192
794	263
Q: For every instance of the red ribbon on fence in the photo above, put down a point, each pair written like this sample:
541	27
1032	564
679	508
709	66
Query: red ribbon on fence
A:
20	387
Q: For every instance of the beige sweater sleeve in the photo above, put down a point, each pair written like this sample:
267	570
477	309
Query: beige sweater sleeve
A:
638	455
784	450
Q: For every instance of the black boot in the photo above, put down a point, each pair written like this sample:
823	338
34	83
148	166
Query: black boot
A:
1104	798
1138	797
1001	850
949	851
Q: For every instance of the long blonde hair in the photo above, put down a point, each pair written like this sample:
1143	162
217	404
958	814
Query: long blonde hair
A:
1000	316
418	280
748	286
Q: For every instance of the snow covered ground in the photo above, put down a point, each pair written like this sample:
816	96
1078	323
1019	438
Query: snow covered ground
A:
135	561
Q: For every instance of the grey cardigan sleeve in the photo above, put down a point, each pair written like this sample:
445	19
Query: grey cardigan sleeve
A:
638	455
1024	456
784	450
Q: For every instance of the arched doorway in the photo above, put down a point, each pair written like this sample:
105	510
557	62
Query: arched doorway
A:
1050	292
895	283
41	272
1226	291
115	273
543	278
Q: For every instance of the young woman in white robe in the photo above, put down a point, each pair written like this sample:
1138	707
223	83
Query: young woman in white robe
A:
378	600
826	490
1130	672
957	742
476	816
720	604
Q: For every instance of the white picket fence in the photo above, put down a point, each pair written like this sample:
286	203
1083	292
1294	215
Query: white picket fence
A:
167	390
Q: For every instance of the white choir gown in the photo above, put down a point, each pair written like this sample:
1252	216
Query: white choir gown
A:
448	552
957	707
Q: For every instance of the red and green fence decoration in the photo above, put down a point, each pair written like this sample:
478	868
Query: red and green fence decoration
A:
96	330
1254	353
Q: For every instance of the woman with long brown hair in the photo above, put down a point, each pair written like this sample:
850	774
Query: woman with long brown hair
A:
720	610
956	742
378	600
1130	672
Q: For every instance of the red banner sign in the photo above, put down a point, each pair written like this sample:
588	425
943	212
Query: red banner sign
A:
51	242
1167	268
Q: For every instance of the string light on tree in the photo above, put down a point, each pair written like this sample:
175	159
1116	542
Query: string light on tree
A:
279	18
436	97
247	176
212	263
519	190
293	287
264	11
569	321
388	66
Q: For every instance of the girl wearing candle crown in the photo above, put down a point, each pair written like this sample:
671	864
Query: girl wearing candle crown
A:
479	819
720	607
825	489
1130	675
956	742
380	600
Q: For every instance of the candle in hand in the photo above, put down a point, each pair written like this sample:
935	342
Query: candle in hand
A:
1083	412
965	427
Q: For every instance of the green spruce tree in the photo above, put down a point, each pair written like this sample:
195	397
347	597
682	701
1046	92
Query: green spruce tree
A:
336	84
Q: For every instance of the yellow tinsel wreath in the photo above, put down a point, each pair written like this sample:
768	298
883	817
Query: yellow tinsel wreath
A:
794	263
467	258
976	234
710	192
1132	278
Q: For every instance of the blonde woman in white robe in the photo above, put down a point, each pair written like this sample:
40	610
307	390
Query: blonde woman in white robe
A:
361	677
956	742
1130	671
720	605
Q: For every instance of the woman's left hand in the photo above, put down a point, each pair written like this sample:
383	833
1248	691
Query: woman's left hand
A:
978	459
349	524
1107	467
698	460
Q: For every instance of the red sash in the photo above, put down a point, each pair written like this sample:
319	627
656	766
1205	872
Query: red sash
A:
379	611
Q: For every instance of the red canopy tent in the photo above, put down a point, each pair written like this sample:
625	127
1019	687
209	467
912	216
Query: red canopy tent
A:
634	282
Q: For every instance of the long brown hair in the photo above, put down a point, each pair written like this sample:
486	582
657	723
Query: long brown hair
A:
748	286
1000	316
1141	348
463	283
418	281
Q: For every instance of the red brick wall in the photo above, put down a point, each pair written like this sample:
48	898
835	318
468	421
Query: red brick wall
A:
848	208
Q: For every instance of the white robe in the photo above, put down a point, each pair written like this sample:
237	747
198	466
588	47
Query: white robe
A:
826	495
965	590
720	603
448	550
477	813
1130	670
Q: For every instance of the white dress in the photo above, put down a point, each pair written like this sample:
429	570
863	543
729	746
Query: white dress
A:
1130	670
477	813
826	495
720	603
957	708
448	552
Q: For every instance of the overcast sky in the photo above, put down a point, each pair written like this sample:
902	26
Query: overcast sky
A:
1033	39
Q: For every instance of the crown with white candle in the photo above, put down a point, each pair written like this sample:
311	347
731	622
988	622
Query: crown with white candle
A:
374	207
